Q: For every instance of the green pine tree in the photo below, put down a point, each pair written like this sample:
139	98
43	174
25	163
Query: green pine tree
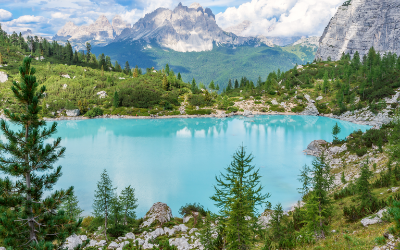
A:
165	83
325	85
71	207
103	197
26	218
335	131
116	100
116	209
211	85
318	206
179	76
167	69
129	203
237	194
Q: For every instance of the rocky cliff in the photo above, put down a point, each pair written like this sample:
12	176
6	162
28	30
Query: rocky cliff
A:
360	24
101	31
183	29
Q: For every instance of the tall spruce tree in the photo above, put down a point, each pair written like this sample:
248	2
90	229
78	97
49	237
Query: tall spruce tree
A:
129	203
71	207
102	198
237	194
318	206
27	220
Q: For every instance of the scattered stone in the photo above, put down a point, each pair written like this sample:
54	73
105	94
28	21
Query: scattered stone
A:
3	77
130	236
113	245
66	76
274	102
73	112
64	86
187	218
102	94
319	98
247	113
72	242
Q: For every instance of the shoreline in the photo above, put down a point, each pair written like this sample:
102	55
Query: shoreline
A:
218	115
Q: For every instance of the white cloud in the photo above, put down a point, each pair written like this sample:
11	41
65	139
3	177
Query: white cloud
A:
29	19
281	17
59	15
5	15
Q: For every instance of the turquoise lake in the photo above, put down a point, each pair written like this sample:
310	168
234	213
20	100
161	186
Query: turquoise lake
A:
176	160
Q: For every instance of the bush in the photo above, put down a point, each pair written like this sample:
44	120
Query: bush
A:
116	231
300	97
86	221
199	112
189	208
323	108
140	97
233	109
197	100
276	108
298	108
272	92
94	112
380	240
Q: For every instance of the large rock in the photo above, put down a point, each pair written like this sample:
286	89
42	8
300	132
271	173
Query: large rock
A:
373	219
360	25
159	212
3	77
315	148
265	219
72	242
180	243
130	236
113	245
73	112
101	94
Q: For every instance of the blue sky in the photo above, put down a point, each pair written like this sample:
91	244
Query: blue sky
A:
268	17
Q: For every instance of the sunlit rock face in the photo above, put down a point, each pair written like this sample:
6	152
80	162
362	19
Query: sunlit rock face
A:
360	24
183	29
101	30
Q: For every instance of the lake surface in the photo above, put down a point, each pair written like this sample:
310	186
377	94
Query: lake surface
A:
176	160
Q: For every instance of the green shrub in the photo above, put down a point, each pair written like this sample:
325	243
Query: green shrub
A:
276	108
197	100
323	108
189	208
233	109
298	109
116	231
94	112
140	96
199	112
300	96
272	92
380	240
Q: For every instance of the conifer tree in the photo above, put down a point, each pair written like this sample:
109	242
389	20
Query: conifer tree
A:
71	207
237	194
116	100
1	59
116	209
129	203
27	220
326	82
167	69
193	87
88	49
211	85
179	76
335	131
217	88
103	197
165	83
135	73
318	206
127	68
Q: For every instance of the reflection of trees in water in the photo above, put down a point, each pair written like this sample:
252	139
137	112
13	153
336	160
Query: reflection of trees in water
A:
209	126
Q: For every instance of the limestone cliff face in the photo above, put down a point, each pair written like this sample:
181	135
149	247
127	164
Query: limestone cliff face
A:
183	29
101	30
360	24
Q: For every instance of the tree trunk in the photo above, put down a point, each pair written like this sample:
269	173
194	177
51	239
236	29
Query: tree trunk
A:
32	233
105	221
125	222
320	221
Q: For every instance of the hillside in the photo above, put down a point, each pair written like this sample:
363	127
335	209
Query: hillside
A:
220	64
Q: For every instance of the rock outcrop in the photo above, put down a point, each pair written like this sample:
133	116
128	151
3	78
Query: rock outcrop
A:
3	77
315	148
73	112
183	29
359	25
376	218
158	212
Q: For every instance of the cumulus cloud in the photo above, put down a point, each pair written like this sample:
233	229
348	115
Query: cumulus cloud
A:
281	18
5	15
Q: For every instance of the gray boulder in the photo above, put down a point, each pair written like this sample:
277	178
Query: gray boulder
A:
180	243
187	218
113	245
247	113
130	236
73	112
158	212
315	148
72	242
3	77
373	219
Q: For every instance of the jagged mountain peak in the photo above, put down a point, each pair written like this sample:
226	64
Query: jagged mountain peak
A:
183	29
195	6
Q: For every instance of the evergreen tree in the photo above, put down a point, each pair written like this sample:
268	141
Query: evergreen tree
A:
116	209
88	49
71	207
325	85
179	76
117	67
129	203
116	100
237	194
217	88
103	197
229	87
135	73
211	85
364	187
236	84
25	217
193	87
165	83
167	69
335	131
1	59
127	68
318	206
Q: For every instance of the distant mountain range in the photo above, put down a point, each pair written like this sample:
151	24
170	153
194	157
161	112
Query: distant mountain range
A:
192	43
